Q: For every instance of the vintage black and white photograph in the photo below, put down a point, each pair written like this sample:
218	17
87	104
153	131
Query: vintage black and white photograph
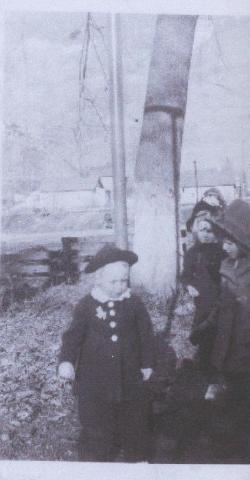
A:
125	238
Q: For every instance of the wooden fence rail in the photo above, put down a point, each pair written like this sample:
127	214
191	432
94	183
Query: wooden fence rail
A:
25	273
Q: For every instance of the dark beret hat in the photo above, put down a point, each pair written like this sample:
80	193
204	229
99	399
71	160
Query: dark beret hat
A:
110	254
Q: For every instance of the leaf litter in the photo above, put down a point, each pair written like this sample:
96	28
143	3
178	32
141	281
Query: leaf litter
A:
39	419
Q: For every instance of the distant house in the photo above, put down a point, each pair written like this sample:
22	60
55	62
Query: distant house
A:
106	182
70	194
105	176
224	181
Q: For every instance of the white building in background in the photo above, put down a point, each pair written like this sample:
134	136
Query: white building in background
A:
71	194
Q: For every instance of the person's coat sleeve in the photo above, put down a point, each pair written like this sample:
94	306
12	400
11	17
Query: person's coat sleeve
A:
146	335
73	338
187	276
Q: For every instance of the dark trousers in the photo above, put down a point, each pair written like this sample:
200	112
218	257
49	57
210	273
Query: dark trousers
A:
238	388
205	346
108	427
204	339
229	421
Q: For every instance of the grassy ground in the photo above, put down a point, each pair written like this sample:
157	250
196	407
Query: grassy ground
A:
39	414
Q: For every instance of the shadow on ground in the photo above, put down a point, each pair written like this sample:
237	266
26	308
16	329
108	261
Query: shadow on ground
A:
189	429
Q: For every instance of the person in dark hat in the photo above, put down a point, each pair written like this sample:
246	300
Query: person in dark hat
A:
231	351
111	341
211	205
230	355
212	196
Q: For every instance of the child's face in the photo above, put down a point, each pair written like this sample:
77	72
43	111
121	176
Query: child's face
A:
211	199
205	233
113	278
231	248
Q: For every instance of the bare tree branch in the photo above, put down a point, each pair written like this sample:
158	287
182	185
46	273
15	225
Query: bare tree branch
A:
99	30
88	40
93	104
84	61
79	137
100	61
79	171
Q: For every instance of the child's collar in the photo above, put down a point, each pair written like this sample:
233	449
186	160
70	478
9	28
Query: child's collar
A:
98	294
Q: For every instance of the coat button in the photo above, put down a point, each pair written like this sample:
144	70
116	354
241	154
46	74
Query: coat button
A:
114	338
111	304
112	324
112	313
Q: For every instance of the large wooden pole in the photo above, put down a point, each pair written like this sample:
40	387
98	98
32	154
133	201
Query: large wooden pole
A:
156	238
117	133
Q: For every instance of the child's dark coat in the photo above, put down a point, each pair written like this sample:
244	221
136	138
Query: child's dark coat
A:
231	353
201	270
110	352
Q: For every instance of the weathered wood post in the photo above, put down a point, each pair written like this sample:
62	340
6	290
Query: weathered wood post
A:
117	132
57	265
71	259
157	168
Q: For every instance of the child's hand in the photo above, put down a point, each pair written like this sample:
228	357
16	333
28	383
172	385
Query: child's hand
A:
192	291
146	373
66	371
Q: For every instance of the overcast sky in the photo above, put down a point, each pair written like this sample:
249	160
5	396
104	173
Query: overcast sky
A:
42	52
217	124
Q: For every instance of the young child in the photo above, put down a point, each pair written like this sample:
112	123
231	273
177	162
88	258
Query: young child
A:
202	279
111	341
231	351
211	205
